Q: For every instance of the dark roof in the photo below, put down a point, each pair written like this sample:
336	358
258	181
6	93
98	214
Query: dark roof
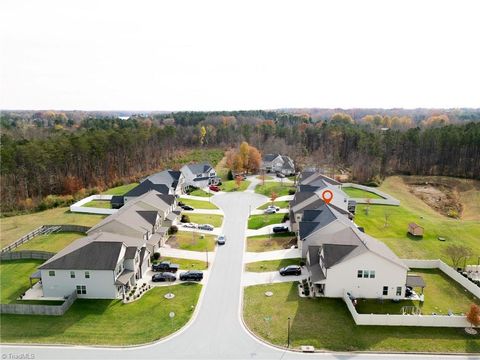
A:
150	216
168	199
199	168
315	219
415	281
131	252
201	178
316	272
117	199
146	186
310	188
167	177
301	196
334	253
270	157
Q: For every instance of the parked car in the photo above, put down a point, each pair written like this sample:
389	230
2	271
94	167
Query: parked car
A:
190	225
165	266
270	210
280	175
291	270
276	208
181	204
214	188
207	227
221	240
164	276
280	229
192	275
187	207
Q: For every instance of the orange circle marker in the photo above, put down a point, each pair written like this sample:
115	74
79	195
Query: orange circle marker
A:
327	196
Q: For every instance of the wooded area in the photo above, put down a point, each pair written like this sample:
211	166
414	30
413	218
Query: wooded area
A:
46	153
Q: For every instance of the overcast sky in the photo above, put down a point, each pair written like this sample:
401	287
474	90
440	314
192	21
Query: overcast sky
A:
214	55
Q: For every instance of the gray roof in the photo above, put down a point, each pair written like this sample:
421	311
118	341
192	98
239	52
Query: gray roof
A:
270	157
334	253
149	215
167	177
316	272
415	281
124	277
313	220
307	177
145	187
199	168
131	252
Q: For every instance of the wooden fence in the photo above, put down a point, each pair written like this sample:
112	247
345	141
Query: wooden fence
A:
26	254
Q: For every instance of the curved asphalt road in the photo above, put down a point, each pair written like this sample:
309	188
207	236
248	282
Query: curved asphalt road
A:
217	331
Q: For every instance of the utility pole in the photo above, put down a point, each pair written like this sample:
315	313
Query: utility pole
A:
288	333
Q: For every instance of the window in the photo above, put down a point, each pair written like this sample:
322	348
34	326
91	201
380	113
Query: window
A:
385	290
72	274
81	289
51	273
365	274
399	291
359	273
87	274
372	274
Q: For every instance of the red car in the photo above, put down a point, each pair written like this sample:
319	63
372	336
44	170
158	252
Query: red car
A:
214	188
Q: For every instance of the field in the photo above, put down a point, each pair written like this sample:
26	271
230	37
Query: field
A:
14	227
214	220
327	324
259	221
120	190
198	204
231	185
394	231
442	295
185	264
192	241
271	265
275	187
270	242
280	204
104	204
51	242
107	322
359	193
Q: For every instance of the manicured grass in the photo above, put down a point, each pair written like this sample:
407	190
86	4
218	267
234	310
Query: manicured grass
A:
51	242
271	265
259	221
120	190
192	241
442	295
280	204
231	185
327	324
104	204
359	193
200	192
269	242
214	220
107	322
275	187
412	209
264	177
15	278
185	264
14	227
198	204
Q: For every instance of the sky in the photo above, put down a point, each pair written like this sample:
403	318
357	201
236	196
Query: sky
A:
238	55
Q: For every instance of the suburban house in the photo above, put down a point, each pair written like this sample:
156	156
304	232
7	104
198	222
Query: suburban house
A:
173	179
277	163
199	175
102	265
144	187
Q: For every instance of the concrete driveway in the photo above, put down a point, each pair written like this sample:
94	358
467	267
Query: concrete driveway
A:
269	277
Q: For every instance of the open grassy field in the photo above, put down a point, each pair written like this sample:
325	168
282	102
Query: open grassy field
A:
270	242
231	185
186	264
212	156
442	295
200	192
14	227
271	265
275	187
107	322
104	204
120	190
221	169
15	278
327	324
259	221
212	219
198	204
359	193
280	204
412	209
192	241
51	242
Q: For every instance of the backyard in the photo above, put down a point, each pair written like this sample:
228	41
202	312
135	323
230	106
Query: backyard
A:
104	204
198	204
120	190
51	242
231	185
191	241
271	242
212	219
280	204
15	278
326	324
276	187
259	221
359	193
271	265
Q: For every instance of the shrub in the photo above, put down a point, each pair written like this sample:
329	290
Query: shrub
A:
291	191
302	263
285	218
156	256
453	213
172	230
185	219
230	175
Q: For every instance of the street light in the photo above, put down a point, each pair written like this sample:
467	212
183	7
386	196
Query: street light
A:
288	333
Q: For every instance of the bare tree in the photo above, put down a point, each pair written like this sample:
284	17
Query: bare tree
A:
457	253
473	317
386	217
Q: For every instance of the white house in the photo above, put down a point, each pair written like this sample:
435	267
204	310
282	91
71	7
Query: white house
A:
278	164
199	175
99	266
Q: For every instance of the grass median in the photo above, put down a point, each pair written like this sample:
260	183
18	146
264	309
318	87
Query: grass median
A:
271	242
259	221
199	204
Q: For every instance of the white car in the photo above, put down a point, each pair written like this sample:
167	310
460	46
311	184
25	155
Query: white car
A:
270	211
190	225
207	227
221	240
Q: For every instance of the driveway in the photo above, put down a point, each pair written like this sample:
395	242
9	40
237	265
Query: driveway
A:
269	277
272	255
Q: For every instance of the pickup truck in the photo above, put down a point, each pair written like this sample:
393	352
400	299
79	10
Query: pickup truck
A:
165	266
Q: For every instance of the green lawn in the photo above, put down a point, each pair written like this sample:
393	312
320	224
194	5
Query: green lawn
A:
280	204
14	227
51	242
185	263
359	193
214	220
270	242
327	324
412	209
442	295
15	278
198	204
107	322
120	190
200	192
104	204
271	265
231	185
192	241
265	177
259	221
275	187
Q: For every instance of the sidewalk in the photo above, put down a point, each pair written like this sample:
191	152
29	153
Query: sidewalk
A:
271	255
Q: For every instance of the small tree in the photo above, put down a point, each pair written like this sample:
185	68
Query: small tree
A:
230	175
457	253
156	255
473	317
238	181
185	219
173	230
368	201
273	197
386	216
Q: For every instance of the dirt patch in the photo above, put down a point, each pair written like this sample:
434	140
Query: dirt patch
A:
172	242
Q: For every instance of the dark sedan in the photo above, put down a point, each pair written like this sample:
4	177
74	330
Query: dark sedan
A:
280	229
291	270
192	275
187	207
165	276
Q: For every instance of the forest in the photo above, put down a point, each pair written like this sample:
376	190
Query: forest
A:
62	153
